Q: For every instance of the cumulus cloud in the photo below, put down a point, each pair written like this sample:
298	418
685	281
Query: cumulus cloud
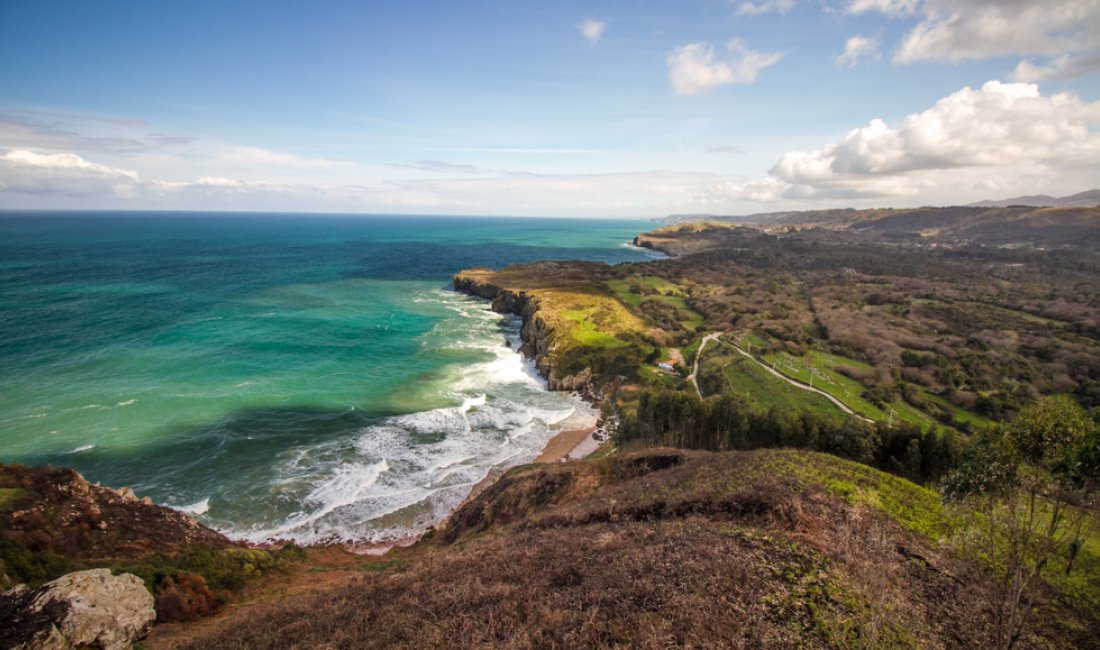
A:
857	48
1060	67
694	68
592	29
764	6
28	172
963	138
957	30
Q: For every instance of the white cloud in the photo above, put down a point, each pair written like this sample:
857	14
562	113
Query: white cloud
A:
592	29
888	7
440	166
1010	131
858	47
726	148
1060	67
749	8
694	69
628	193
765	190
28	172
66	180
258	156
957	30
22	133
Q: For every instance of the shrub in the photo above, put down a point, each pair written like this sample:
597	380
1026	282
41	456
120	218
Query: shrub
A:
184	597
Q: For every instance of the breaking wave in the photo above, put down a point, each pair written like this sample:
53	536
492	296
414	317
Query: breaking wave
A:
404	473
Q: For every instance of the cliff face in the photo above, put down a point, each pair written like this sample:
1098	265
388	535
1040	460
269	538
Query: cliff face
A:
538	337
645	241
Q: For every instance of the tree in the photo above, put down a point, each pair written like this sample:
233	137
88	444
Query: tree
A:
1020	488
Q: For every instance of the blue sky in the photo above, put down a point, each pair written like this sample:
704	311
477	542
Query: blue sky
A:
566	108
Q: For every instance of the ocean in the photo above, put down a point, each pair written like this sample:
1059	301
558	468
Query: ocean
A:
304	377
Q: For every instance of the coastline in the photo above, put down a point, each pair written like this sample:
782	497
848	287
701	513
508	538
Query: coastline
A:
572	444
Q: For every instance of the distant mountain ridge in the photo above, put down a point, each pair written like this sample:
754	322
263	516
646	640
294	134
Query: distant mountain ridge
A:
1088	199
1016	225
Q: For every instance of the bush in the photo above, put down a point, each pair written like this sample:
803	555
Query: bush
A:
184	597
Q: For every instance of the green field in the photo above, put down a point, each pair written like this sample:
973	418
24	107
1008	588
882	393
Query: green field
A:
904	412
666	292
621	288
749	338
761	389
817	367
962	415
820	367
585	332
689	318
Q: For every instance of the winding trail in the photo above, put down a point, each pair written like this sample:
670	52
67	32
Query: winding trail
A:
793	382
693	377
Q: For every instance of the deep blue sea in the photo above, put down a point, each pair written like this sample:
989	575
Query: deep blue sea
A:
310	377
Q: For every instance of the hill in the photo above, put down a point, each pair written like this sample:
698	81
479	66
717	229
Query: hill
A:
776	549
1073	225
1088	199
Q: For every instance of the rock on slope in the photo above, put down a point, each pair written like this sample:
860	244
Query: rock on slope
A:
85	609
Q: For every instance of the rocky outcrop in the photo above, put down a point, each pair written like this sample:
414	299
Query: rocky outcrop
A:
85	609
577	382
655	241
537	337
56	509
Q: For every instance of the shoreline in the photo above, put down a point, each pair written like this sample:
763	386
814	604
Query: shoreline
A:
571	444
561	447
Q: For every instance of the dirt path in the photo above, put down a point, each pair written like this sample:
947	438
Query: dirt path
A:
793	382
694	376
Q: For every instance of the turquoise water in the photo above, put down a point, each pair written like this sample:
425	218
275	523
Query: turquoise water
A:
308	377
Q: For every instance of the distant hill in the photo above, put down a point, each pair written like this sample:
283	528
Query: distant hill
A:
1087	199
1017	225
832	218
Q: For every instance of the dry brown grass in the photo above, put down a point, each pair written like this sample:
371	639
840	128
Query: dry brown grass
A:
655	549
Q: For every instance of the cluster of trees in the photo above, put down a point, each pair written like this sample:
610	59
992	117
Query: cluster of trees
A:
1028	492
674	418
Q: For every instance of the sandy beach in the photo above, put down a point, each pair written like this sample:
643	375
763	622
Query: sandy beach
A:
562	444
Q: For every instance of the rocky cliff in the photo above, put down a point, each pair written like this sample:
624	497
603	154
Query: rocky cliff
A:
538	337
56	509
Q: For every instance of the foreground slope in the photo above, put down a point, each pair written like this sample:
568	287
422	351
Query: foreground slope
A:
775	549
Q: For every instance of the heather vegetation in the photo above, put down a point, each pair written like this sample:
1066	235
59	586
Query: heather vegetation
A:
659	548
